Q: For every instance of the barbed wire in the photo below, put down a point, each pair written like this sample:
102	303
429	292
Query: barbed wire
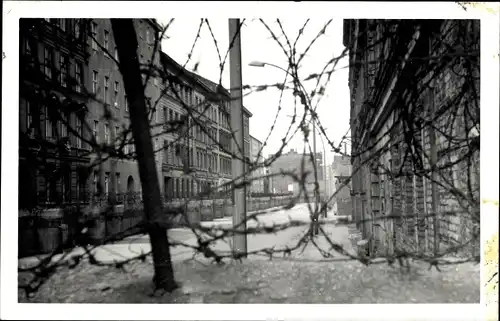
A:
401	132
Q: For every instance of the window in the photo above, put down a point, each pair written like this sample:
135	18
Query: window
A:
117	136
106	90
116	90
106	43
62	24
94	183
48	122
155	151
106	183
94	36
64	66
170	115
106	134
126	148
79	77
132	147
165	152
117	183
29	115
30	52
95	131
126	103
76	29
116	53
95	81
79	132
64	124
48	62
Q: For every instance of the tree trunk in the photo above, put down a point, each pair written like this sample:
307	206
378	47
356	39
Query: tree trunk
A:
126	42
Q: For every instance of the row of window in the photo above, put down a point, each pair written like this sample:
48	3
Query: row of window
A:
225	140
60	188
185	93
175	153
56	66
72	26
52	124
184	187
226	165
106	184
107	92
104	38
199	104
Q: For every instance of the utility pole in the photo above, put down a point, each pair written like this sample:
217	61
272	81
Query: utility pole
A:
433	161
316	186
240	205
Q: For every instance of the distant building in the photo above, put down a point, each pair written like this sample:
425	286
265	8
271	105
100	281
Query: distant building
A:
223	131
292	161
342	170
257	185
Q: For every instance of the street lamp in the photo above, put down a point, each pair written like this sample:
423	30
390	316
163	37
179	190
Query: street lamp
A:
263	64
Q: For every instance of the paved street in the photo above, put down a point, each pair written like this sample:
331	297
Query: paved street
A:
282	239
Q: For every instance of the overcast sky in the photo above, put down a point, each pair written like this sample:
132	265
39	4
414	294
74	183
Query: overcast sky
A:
257	45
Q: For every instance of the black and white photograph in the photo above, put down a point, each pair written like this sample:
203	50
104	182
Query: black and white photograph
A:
268	159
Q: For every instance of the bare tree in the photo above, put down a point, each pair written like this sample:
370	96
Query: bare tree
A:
126	41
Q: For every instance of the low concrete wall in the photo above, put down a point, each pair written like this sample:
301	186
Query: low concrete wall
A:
119	219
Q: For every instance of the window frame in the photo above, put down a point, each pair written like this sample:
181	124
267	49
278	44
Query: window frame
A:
48	62
106	134
95	131
106	89
94	32
116	90
79	131
78	77
64	66
95	82
106	43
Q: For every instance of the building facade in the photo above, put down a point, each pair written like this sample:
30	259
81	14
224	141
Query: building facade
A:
192	159
292	161
198	156
257	185
108	115
341	172
54	62
408	117
73	115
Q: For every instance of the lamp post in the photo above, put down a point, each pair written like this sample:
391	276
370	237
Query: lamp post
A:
263	64
324	154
